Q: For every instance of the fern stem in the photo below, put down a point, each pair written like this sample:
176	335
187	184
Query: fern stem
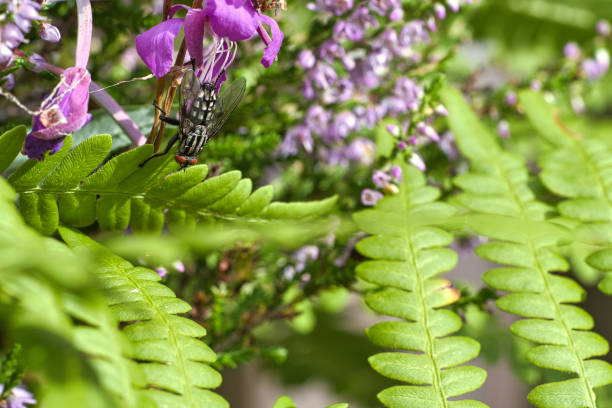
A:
173	338
568	331
420	290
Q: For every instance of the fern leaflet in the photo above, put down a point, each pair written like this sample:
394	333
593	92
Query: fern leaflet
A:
507	211
580	170
407	255
73	187
167	346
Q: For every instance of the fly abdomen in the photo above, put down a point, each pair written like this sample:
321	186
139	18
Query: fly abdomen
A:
192	143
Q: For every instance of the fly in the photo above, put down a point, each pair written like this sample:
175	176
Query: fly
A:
201	115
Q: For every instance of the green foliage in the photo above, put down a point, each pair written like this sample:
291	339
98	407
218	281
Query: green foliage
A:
407	256
166	346
504	208
11	370
48	293
286	402
72	187
579	169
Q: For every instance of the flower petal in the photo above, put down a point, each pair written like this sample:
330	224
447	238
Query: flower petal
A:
176	8
155	46
234	19
195	23
35	148
66	112
273	47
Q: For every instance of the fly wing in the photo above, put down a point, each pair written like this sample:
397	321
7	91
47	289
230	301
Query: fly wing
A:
188	92
229	98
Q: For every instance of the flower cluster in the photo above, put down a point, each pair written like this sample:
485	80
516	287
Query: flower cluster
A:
385	181
15	22
355	70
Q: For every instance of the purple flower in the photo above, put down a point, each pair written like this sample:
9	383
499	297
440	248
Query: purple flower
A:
380	179
161	271
361	150
503	127
441	110
440	11
294	138
17	397
6	55
401	146
536	85
62	112
343	124
317	118
306	59
453	5
511	98
338	7
428	131
37	61
571	51
603	28
231	20
11	35
9	82
49	32
370	197
393	130
597	67
381	6
24	12
417	162
396	173
396	14
413	33
179	266
304	255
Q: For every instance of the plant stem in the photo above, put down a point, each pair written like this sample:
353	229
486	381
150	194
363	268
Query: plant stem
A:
84	33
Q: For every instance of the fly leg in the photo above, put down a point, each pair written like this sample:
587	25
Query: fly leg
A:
168	147
164	118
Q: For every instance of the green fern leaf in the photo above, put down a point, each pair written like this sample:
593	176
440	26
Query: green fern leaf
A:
407	256
69	337
75	188
11	143
578	169
167	346
528	243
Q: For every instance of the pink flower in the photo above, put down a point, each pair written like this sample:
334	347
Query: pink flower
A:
62	112
227	21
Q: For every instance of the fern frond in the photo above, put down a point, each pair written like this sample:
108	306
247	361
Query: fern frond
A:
407	256
166	345
508	212
72	187
578	169
50	306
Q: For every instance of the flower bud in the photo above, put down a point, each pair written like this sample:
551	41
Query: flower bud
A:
9	82
417	162
603	28
49	32
440	11
38	63
571	51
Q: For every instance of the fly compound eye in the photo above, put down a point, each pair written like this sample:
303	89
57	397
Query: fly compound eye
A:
193	161
180	159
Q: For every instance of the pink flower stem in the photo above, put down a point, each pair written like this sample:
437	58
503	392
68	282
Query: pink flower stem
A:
107	103
84	33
